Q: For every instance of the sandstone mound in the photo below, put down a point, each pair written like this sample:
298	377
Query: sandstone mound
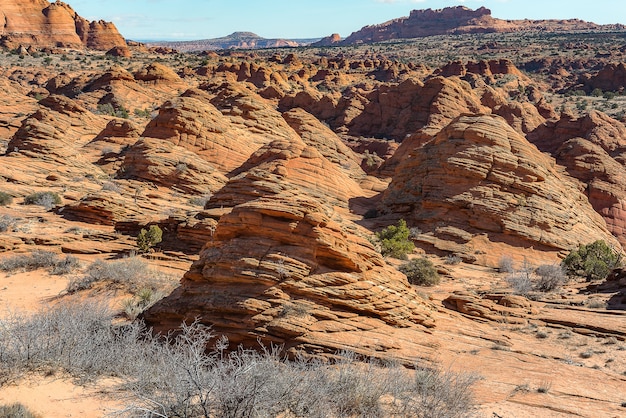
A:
610	78
303	277
119	131
482	68
283	164
424	114
105	207
194	123
315	134
56	132
249	111
171	166
479	177
156	73
43	24
593	150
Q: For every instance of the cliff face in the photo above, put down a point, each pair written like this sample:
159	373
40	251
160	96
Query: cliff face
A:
455	20
43	24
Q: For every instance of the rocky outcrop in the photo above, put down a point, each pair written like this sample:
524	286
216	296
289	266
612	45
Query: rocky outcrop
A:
288	270
482	68
194	123
479	177
455	20
156	73
317	135
56	132
168	165
593	150
39	23
610	78
282	164
331	40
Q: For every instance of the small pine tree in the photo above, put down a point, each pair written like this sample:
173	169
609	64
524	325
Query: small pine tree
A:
394	241
593	261
149	238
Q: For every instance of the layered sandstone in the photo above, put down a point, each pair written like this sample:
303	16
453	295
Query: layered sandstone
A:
169	165
303	277
194	123
592	147
480	178
56	132
39	23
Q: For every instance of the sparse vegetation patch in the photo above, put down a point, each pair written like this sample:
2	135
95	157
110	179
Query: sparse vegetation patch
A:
394	241
5	199
421	271
45	199
592	261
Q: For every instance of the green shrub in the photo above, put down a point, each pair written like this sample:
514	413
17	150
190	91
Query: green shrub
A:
421	272
593	261
5	199
45	199
394	241
149	238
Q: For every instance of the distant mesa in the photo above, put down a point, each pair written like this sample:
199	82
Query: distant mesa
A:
39	23
236	40
454	21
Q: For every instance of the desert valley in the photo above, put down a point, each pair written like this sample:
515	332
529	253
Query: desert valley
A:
424	219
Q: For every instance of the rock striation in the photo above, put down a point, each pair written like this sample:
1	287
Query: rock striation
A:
592	148
39	23
478	177
288	270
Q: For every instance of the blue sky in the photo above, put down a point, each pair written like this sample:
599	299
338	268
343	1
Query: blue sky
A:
198	19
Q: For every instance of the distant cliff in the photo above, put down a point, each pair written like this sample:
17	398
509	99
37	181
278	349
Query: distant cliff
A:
39	23
456	20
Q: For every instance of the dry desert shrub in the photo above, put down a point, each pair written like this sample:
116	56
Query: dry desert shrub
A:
16	410
46	199
550	277
7	223
132	274
5	199
505	265
40	259
177	376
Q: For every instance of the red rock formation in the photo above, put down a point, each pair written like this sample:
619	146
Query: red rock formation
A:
480	177
171	166
42	24
315	134
120	51
331	40
280	163
593	150
302	276
194	123
482	68
455	20
56	132
156	72
611	78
